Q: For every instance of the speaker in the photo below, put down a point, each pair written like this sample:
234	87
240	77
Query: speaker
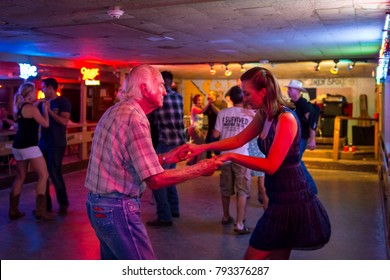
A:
327	127
332	109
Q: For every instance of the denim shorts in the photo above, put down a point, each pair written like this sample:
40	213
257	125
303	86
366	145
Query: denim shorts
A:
118	226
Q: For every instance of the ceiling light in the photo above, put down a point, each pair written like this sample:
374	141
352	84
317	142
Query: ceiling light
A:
335	69
242	68
227	71
351	66
212	70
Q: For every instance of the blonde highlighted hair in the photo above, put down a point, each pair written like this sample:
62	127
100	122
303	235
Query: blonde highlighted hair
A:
24	90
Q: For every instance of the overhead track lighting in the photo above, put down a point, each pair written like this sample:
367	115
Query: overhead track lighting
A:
317	67
212	70
351	66
335	69
228	72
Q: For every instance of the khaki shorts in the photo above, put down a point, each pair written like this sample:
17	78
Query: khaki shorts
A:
235	179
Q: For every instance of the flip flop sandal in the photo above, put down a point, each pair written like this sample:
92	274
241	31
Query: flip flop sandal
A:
245	230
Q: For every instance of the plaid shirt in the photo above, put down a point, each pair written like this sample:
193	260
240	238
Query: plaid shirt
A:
170	120
122	154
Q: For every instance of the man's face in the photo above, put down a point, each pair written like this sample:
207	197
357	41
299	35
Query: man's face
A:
47	90
293	93
157	92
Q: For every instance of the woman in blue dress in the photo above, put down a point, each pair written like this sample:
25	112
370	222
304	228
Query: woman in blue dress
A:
294	218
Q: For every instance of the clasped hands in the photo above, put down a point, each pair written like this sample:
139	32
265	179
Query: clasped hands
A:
187	151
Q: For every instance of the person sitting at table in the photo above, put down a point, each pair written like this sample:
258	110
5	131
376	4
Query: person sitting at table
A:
7	120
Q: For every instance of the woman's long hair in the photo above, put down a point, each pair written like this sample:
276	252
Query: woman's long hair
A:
263	78
23	91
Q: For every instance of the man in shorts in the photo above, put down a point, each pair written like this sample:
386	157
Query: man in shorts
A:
235	179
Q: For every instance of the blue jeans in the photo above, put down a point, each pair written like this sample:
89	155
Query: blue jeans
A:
167	199
118	226
54	157
309	178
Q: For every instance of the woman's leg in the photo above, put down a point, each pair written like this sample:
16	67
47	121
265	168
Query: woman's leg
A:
21	172
261	192
39	166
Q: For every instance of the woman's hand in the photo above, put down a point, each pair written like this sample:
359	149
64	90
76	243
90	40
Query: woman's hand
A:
39	101
193	150
177	154
46	105
225	157
207	167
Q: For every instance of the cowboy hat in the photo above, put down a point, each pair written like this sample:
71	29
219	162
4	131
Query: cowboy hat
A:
297	85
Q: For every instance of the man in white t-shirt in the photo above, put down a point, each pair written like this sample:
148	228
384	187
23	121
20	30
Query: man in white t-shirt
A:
235	179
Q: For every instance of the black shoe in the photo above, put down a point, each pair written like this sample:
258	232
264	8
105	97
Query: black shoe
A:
176	215
159	223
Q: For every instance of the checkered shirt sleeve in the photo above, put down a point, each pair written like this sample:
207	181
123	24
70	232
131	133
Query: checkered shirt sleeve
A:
122	154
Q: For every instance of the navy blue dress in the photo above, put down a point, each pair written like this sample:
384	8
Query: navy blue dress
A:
295	218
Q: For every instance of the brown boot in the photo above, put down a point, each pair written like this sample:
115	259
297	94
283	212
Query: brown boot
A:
14	212
40	211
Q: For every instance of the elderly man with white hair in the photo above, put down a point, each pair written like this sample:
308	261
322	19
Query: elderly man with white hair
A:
123	161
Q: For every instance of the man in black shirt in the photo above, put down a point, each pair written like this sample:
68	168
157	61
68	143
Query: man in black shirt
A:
53	142
305	113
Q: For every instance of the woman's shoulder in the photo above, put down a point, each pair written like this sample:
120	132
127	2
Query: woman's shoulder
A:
28	109
286	113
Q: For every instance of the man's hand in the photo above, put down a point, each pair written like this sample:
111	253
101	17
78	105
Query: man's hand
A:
194	150
311	144
177	154
207	167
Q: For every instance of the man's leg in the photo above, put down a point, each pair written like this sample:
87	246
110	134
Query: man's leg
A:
49	204
173	199
309	178
242	180
118	226
167	198
227	190
55	157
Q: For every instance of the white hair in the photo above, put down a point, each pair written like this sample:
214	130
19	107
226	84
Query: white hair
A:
137	76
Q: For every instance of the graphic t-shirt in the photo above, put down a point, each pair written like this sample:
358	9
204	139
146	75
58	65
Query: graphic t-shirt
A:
232	121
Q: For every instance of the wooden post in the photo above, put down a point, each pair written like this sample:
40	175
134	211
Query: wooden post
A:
376	139
336	138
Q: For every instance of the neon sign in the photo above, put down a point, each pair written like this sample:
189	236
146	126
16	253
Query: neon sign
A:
27	70
89	76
